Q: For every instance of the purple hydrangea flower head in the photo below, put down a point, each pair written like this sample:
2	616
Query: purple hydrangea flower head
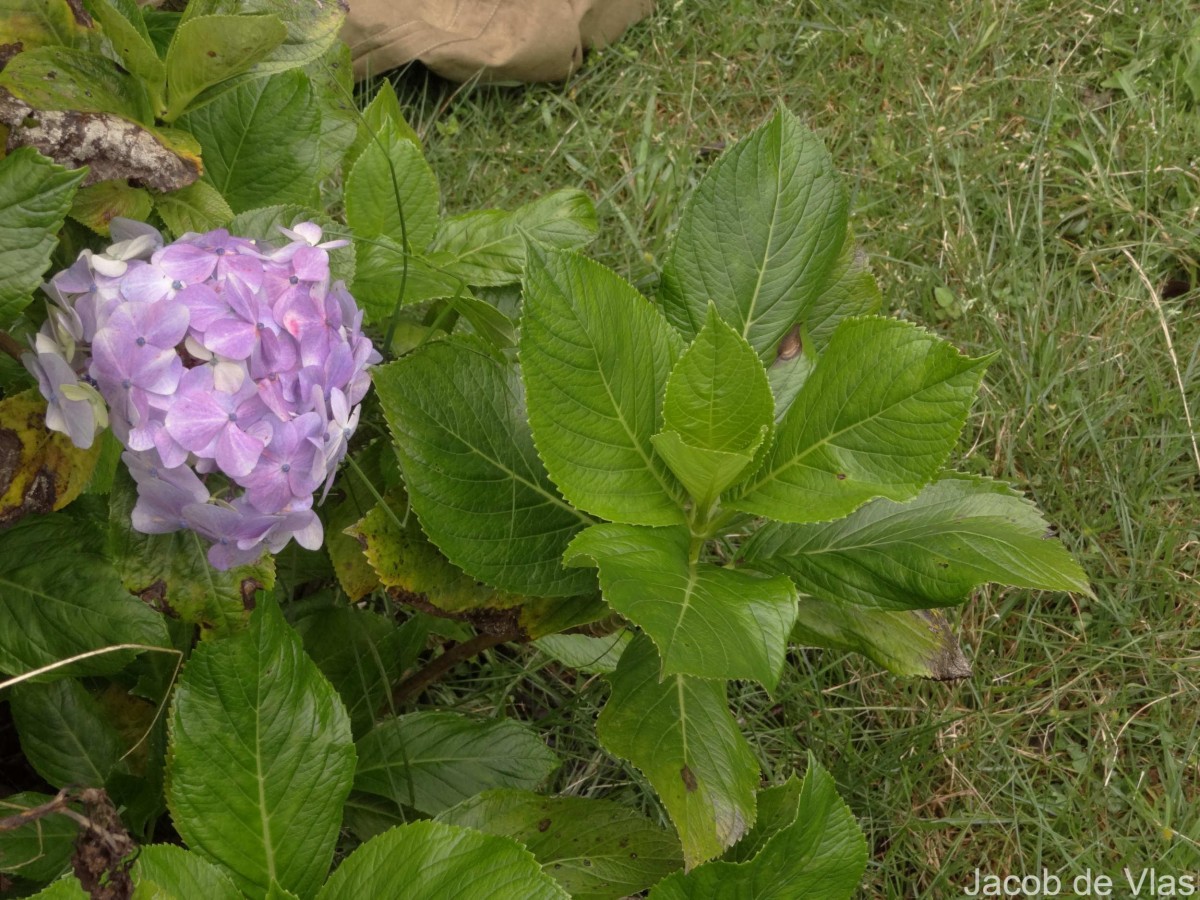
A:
231	372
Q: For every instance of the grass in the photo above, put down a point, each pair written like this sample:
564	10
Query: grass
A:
1025	178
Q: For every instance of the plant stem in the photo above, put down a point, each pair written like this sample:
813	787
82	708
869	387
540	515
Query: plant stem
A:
412	686
10	346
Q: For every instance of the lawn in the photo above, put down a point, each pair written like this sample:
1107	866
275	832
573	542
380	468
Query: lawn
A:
1025	178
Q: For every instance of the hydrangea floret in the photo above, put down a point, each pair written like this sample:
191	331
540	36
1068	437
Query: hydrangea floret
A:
231	371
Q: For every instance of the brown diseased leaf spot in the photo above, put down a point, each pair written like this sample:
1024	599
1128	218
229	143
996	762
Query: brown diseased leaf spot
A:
82	19
249	587
791	346
39	496
544	825
841	476
8	51
946	662
10	457
689	779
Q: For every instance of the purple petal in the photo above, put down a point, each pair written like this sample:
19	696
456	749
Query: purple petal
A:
204	304
224	557
159	508
185	262
146	284
230	337
241	268
311	263
195	420
310	535
237	451
165	324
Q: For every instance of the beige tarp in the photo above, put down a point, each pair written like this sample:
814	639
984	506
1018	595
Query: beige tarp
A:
499	40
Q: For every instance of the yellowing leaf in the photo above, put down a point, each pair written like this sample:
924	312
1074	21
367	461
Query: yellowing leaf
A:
40	470
96	205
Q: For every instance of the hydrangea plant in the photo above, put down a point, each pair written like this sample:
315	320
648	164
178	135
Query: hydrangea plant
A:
669	491
230	372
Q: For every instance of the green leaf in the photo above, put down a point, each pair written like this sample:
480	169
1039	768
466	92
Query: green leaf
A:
98	204
198	207
958	533
40	470
777	806
819	856
178	874
706	620
431	861
260	142
172	570
849	291
594	655
358	485
42	23
260	758
366	815
759	237
718	410
476	483
311	28
595	849
35	195
430	761
332	79
160	26
64	78
52	612
384	107
208	50
126	30
41	850
907	642
680	734
717	396
403	210
705	473
595	357
66	888
877	417
64	733
263	224
361	653
107	464
487	247
379	276
491	325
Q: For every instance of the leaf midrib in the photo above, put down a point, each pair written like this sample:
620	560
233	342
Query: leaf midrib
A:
797	458
647	460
